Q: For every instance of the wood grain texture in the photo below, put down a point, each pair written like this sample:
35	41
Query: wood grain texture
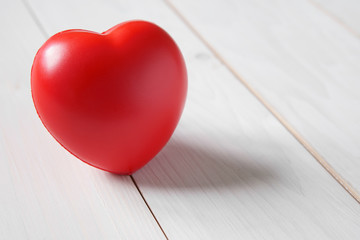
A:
274	112
231	170
306	65
346	12
46	193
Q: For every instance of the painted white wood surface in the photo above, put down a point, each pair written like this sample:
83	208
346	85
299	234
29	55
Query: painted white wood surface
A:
305	64
46	193
231	170
347	12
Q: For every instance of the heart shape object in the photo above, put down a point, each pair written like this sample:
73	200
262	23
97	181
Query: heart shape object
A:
112	99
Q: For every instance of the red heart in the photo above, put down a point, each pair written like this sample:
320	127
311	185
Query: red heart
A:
111	99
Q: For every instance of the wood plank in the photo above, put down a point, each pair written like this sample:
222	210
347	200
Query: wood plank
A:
231	170
46	193
303	63
346	12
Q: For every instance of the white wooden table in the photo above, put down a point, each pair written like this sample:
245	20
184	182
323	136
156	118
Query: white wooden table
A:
268	146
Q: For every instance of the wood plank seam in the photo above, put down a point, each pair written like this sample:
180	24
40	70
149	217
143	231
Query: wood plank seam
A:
335	18
148	206
282	120
35	18
46	35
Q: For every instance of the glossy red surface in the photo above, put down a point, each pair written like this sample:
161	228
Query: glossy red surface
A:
111	99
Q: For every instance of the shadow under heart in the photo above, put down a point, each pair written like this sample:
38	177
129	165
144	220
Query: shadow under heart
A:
189	166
